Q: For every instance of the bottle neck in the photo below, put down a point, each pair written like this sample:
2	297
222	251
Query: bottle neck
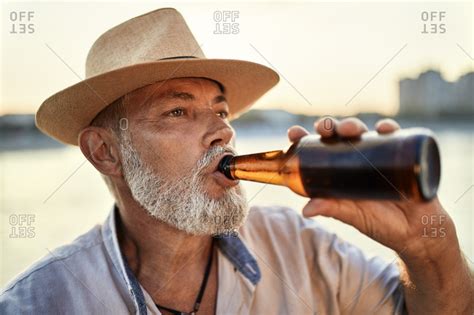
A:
272	167
266	167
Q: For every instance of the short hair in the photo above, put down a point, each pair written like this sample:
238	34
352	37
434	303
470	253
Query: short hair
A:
111	116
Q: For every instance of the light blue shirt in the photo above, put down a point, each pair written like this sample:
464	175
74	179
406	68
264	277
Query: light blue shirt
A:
301	269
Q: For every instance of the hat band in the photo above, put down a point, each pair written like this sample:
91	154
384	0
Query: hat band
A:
177	57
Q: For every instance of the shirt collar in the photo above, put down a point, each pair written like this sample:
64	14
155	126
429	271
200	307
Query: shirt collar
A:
109	234
230	245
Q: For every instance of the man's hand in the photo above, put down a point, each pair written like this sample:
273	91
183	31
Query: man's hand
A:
422	233
396	224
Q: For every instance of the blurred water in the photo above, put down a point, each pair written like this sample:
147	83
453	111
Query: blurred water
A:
65	196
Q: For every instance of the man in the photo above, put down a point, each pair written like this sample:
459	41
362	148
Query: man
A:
153	118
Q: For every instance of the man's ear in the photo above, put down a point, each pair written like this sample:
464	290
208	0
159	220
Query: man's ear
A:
100	147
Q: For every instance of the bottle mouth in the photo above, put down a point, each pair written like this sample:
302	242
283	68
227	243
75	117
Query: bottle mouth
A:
225	165
430	169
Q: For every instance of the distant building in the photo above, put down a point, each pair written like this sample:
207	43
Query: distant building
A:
18	132
17	122
430	95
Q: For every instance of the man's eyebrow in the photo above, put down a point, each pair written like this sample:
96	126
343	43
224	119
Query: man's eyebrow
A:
219	99
179	95
186	97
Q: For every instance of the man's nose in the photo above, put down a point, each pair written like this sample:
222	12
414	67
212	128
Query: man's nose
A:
219	133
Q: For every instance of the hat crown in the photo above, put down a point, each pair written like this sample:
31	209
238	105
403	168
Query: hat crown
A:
160	34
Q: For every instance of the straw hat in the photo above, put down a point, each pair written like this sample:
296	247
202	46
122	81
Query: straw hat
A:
152	47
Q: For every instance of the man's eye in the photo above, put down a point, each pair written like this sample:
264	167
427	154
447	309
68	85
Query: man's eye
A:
176	112
223	114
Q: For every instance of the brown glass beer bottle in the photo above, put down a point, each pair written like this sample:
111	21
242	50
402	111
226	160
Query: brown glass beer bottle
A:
401	165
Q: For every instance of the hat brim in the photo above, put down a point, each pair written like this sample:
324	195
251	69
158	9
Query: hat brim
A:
63	115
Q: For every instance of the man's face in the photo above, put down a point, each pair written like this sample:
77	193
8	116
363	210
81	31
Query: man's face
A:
177	132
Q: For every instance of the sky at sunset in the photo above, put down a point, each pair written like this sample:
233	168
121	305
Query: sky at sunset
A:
333	58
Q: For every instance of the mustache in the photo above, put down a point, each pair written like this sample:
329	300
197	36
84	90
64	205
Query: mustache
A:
211	155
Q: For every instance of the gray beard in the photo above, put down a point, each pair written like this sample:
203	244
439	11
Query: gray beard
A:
183	203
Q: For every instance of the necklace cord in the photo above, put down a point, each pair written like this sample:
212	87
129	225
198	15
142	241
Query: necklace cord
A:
197	303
